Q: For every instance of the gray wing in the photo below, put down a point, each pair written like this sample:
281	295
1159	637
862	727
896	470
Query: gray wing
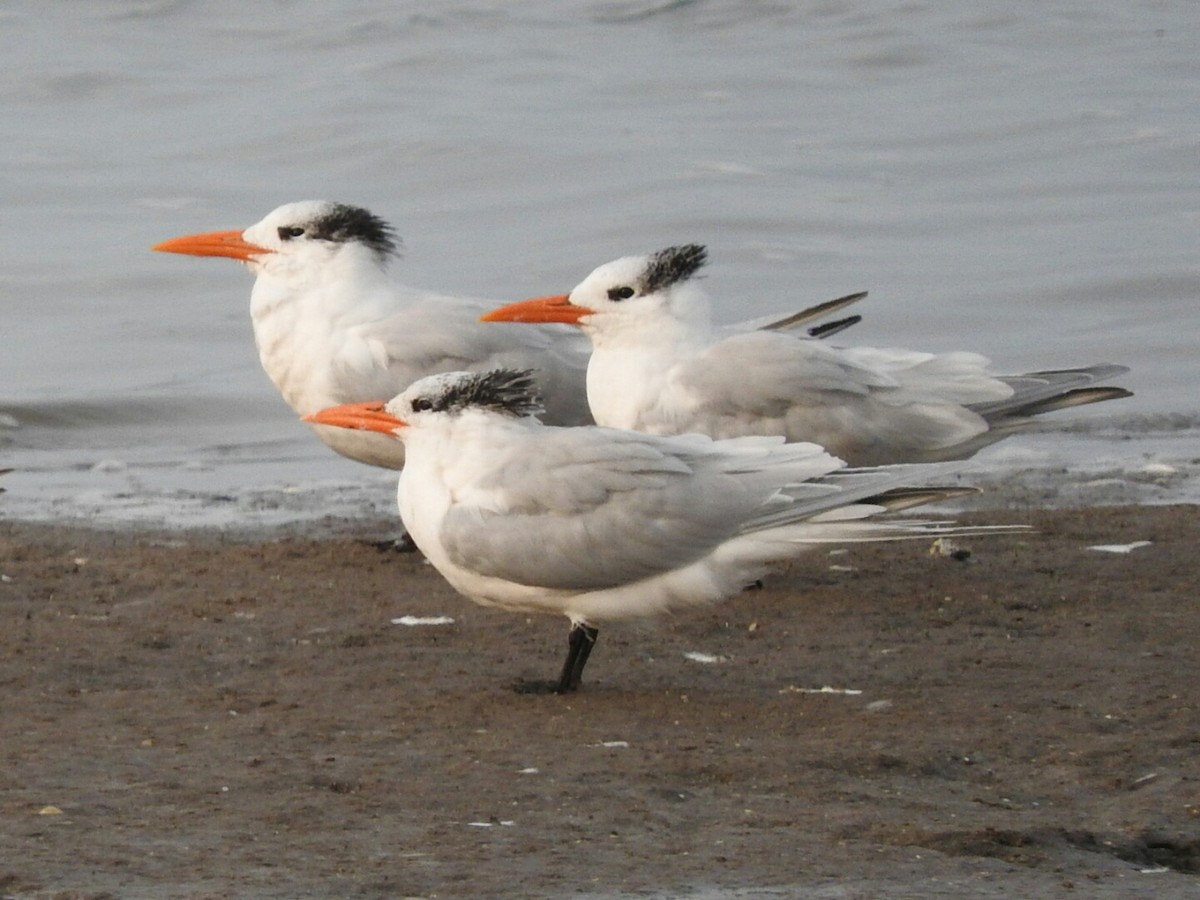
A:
1040	392
444	334
867	406
806	317
763	374
587	509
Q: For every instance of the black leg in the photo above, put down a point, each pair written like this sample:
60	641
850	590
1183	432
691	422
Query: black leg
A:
402	544
579	648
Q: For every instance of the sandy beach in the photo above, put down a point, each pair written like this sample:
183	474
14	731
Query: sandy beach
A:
191	715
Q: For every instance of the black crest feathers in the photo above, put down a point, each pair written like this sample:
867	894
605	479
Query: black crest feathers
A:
671	266
512	392
342	223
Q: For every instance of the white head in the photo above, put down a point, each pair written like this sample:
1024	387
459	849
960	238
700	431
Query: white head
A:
510	393
634	292
298	238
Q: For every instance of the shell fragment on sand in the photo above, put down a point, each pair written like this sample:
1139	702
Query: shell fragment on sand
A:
1120	548
417	621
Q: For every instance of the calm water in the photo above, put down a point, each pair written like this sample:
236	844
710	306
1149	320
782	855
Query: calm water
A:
1020	183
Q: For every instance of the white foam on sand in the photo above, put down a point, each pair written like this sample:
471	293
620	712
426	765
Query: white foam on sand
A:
258	488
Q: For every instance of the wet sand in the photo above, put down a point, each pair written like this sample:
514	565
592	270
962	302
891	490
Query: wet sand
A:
191	715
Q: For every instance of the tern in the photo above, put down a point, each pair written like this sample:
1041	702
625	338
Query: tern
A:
658	366
332	326
599	524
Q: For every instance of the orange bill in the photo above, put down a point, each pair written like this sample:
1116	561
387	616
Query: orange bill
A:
540	309
359	416
213	243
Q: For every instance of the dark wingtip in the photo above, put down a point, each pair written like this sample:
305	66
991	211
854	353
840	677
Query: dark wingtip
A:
1076	397
829	329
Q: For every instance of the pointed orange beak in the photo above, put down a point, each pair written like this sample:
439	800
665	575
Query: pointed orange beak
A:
541	309
214	243
359	416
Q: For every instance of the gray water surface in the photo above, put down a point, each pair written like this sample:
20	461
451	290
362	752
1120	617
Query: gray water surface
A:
1023	183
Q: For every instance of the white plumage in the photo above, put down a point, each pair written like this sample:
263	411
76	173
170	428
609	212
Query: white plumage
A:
332	327
659	366
599	524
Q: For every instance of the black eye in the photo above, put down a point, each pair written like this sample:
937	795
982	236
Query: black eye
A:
422	405
620	293
287	232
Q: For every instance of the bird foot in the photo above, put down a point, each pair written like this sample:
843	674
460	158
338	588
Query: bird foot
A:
402	544
540	686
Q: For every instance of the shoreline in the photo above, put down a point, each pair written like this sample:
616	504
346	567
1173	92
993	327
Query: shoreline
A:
1131	460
